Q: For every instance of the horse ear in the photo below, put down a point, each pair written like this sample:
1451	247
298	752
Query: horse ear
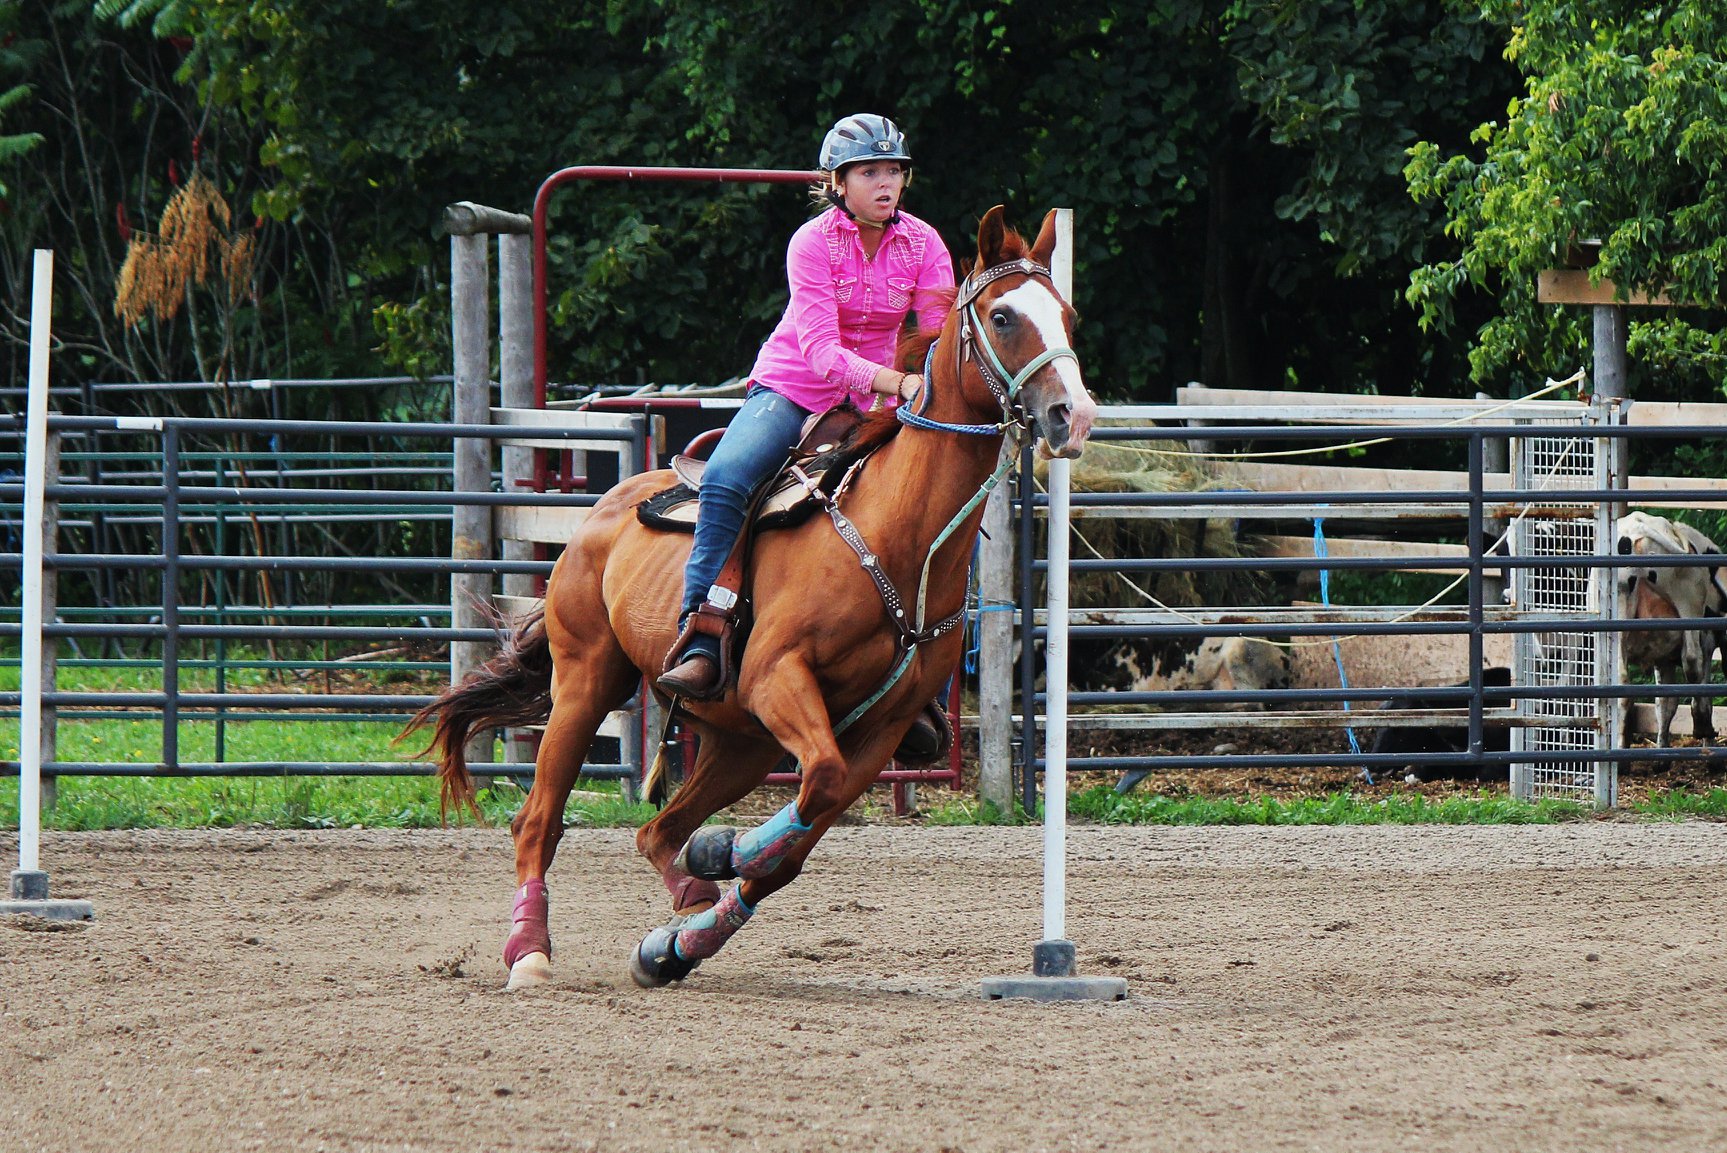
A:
1044	247
991	236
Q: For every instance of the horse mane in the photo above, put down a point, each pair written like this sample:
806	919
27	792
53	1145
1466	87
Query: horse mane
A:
874	430
881	426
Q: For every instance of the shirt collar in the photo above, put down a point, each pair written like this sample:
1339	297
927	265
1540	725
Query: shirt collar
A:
845	223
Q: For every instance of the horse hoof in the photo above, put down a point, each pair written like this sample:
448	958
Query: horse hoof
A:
654	963
529	970
708	853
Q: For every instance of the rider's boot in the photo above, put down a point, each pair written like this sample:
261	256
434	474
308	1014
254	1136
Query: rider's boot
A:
695	667
696	675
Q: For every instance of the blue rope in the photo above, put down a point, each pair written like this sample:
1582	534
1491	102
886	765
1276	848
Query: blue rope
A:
974	614
907	416
1319	551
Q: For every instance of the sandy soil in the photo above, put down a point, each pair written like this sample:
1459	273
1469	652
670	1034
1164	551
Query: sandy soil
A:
1292	988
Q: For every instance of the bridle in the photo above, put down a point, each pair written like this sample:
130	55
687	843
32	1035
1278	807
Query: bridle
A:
973	344
1006	386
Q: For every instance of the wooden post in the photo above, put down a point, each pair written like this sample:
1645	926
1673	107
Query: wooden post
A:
471	525
516	377
996	585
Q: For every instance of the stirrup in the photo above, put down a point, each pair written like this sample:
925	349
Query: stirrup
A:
687	679
709	621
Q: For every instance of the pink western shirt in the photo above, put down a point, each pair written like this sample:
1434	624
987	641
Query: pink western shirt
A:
844	317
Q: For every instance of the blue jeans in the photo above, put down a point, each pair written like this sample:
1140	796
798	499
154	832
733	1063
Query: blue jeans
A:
754	446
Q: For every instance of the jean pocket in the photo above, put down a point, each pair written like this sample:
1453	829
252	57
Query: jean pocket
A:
844	286
899	290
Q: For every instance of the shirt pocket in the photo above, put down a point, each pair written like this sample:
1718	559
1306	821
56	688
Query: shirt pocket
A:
844	287
899	290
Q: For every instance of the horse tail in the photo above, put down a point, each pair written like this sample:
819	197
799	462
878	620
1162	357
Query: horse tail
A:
513	688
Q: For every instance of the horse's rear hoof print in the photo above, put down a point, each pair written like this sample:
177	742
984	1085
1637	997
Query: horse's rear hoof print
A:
708	853
655	961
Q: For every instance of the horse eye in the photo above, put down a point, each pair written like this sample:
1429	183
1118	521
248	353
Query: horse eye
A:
999	319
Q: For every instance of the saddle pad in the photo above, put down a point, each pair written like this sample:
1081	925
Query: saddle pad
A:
674	509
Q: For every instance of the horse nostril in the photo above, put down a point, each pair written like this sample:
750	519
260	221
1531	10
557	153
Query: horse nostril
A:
1059	414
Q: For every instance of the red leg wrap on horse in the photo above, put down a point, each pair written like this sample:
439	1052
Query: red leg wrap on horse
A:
528	932
703	934
687	890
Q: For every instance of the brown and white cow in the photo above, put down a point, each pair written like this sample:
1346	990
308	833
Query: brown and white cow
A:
1676	656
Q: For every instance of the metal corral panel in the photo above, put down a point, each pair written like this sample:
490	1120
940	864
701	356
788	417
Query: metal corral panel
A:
1560	657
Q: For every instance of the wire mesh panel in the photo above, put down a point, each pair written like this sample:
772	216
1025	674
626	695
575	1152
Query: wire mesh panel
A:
1551	462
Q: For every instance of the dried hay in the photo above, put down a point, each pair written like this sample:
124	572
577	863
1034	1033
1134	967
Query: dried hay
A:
1155	466
191	244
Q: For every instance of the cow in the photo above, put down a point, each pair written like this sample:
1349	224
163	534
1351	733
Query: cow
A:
1451	737
1181	665
1676	656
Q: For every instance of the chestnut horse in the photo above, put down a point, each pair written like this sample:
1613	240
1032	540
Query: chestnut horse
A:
853	622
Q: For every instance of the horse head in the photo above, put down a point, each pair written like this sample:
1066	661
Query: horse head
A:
1018	331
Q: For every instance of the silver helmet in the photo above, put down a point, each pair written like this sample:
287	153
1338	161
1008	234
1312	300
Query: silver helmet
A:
863	136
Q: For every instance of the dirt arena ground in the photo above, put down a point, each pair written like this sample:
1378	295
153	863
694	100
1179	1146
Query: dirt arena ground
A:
1424	988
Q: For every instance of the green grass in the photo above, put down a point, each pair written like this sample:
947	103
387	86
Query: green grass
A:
294	803
1102	805
1105	806
1678	804
274	801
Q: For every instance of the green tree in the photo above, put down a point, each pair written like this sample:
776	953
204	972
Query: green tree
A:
1233	166
1618	137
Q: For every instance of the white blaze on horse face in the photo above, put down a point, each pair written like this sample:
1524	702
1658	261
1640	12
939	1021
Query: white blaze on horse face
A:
1042	309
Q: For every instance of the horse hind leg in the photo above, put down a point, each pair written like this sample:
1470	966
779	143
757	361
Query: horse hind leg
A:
588	691
770	856
704	917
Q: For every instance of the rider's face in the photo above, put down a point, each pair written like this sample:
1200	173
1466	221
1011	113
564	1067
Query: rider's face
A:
872	189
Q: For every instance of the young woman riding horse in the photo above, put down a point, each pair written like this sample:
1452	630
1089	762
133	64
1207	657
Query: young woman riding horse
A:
855	271
853	623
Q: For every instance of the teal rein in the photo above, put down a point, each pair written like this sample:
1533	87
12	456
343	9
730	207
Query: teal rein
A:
1007	459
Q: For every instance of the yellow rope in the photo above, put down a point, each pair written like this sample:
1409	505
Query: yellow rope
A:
1551	386
1429	603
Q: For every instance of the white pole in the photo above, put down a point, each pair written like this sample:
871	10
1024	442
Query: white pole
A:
35	486
1052	959
1055	647
1055	712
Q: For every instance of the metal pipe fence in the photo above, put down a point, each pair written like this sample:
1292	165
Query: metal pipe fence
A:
1593	704
193	623
165	496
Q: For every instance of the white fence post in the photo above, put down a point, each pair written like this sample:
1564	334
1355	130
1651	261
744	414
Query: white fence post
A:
28	890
